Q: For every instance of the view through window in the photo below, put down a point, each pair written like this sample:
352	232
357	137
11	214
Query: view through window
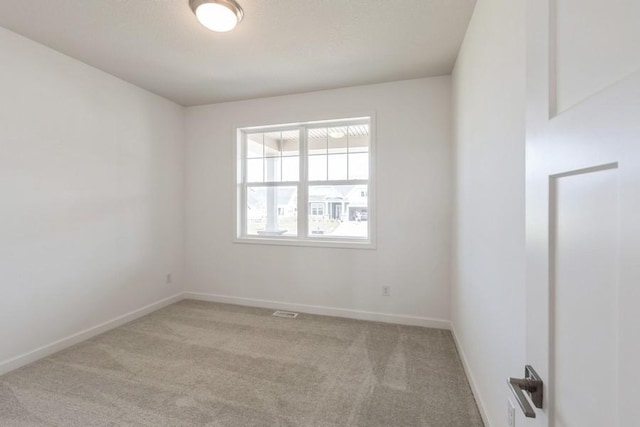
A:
305	181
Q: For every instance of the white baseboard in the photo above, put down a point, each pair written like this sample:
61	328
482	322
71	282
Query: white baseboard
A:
470	377
44	351
323	311
54	347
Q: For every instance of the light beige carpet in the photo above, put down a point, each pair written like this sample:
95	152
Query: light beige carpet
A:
204	364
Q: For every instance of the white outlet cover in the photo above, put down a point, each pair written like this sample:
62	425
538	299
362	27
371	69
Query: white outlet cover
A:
511	415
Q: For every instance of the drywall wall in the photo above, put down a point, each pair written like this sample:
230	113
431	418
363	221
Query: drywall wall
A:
488	274
413	209
91	179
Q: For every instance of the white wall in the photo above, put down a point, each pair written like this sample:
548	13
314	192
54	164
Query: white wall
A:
413	201
91	180
488	292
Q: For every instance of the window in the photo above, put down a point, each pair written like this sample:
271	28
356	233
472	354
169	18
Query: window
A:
305	183
317	209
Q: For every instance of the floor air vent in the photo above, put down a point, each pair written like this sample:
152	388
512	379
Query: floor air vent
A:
287	314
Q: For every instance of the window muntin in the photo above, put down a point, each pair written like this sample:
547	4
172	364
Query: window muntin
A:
338	153
273	156
305	182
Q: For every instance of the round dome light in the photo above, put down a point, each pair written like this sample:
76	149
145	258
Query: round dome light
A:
217	15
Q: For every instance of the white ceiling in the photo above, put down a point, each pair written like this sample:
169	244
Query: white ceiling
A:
281	46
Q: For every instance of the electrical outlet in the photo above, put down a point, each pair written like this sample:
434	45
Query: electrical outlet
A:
386	291
168	281
511	415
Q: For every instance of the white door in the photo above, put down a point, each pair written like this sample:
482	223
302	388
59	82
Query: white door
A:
583	211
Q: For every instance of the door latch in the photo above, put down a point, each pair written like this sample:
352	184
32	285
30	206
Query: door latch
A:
532	385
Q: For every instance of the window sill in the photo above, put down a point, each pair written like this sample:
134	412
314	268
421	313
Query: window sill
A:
313	243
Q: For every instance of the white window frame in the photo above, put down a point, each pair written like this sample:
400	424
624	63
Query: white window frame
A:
303	184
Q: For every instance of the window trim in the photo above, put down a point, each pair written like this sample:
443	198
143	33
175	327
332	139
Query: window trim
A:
303	184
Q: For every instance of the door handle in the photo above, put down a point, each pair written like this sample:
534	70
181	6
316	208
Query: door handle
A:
532	385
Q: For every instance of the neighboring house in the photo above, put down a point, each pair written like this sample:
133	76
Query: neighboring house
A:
358	202
288	202
331	202
338	202
257	205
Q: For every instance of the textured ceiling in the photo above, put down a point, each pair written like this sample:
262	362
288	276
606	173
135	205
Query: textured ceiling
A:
281	46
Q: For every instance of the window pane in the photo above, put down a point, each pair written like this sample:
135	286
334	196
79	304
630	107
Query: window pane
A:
338	139
290	168
254	145
337	166
291	143
272	171
359	139
273	144
272	211
317	168
344	211
317	141
255	170
359	166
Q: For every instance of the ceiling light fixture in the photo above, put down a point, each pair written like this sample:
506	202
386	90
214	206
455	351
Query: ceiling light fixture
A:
336	133
217	15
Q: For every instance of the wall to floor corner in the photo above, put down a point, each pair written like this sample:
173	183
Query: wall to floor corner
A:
488	268
413	206
91	179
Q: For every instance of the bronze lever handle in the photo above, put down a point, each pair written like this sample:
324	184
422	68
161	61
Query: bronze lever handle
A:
532	384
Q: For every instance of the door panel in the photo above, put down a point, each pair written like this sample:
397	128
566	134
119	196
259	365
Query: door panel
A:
583	226
584	297
596	45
